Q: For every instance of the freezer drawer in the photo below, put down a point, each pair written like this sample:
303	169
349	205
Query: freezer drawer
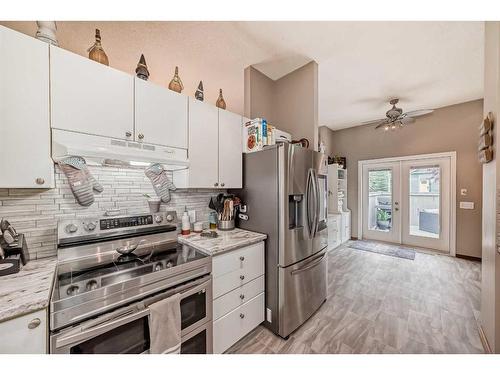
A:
302	291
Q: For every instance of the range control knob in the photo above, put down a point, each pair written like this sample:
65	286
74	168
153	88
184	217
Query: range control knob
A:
158	266
158	218
71	228
91	285
90	226
72	290
170	217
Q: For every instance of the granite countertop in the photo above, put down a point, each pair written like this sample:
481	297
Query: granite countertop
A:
227	240
28	290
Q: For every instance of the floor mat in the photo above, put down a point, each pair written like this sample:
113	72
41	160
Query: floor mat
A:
383	248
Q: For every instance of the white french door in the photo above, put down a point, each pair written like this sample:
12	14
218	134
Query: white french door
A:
381	187
409	201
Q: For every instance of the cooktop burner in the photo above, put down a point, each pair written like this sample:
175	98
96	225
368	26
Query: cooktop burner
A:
125	267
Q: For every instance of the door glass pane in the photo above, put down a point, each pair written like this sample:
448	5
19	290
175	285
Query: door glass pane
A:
424	201
380	200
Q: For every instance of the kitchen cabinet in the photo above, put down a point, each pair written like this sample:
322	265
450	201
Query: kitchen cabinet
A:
89	97
230	150
203	151
24	112
161	115
27	334
238	292
215	153
334	230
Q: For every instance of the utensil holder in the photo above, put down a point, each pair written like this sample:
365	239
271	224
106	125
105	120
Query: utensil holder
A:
154	205
225	224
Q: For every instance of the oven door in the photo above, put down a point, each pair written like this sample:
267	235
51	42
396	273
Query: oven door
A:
126	330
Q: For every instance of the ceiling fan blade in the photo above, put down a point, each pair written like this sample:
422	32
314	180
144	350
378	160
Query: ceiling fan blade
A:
371	122
407	120
382	123
418	112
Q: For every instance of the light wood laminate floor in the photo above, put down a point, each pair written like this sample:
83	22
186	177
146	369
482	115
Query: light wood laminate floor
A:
382	304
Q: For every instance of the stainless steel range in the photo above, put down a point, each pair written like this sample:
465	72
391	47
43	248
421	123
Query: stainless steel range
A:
111	269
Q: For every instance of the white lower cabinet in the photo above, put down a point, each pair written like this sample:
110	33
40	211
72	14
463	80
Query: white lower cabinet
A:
238	290
334	231
238	323
27	334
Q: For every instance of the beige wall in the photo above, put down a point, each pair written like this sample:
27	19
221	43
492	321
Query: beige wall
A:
453	128
289	103
296	103
490	280
259	95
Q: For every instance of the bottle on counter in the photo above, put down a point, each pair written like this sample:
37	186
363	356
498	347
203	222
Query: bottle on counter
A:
212	219
186	224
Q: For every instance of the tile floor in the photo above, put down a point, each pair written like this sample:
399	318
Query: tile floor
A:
382	304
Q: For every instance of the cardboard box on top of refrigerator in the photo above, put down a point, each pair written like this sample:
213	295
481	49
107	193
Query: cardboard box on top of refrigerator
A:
255	134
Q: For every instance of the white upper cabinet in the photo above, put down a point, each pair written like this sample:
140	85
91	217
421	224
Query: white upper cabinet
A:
161	115
230	151
89	97
215	156
203	145
24	112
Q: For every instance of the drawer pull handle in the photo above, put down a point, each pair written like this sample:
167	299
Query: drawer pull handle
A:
242	315
242	277
242	258
34	323
242	296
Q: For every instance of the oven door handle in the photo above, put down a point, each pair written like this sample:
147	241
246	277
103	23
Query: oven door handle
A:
125	318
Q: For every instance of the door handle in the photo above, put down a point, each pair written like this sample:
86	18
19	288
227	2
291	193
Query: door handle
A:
313	263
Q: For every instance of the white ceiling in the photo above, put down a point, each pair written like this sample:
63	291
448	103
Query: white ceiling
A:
364	64
361	64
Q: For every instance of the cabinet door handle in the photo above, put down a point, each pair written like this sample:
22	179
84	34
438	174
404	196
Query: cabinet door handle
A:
34	323
140	136
128	134
40	181
242	315
216	184
242	258
242	277
223	184
242	296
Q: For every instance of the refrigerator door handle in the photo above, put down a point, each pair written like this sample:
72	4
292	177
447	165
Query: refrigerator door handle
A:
316	202
309	216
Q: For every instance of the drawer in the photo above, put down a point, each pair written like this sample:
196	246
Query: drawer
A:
233	326
248	256
237	297
226	283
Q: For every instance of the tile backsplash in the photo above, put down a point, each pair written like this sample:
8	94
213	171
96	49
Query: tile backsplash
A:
35	212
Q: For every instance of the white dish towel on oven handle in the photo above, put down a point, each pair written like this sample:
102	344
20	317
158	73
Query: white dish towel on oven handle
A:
165	326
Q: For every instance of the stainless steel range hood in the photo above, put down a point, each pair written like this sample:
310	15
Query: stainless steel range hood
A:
99	150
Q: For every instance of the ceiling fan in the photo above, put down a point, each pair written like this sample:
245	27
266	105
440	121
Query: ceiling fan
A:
395	118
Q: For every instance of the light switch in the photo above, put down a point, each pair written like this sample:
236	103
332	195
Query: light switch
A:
467	205
192	216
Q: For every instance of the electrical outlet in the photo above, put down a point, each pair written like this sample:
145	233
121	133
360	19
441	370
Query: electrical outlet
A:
192	216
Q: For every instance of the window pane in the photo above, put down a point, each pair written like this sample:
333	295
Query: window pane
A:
380	200
424	201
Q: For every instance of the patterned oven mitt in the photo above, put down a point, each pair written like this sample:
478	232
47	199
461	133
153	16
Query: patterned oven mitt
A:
161	183
81	181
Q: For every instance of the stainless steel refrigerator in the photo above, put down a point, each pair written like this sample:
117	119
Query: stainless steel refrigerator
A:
285	192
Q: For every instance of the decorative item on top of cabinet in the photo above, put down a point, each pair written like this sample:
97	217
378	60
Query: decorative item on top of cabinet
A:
142	71
199	92
176	83
221	103
47	32
96	52
485	147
